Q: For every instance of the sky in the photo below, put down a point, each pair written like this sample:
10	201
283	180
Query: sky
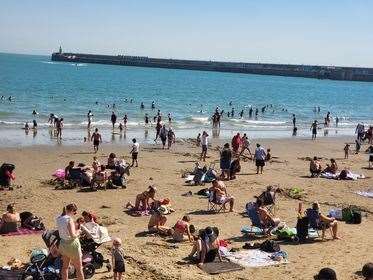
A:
317	32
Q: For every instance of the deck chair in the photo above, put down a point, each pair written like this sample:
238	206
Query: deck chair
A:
315	223
213	205
75	177
256	227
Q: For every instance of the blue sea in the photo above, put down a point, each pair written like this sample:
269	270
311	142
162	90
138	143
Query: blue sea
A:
70	90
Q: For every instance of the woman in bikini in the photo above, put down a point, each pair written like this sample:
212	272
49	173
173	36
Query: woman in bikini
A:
181	229
143	199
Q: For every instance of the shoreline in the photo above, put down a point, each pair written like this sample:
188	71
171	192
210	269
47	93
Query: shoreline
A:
75	136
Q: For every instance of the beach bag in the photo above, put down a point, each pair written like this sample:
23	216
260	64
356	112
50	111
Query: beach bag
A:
351	215
269	246
286	233
302	228
30	221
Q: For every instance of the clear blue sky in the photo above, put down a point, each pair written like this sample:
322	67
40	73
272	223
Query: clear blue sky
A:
331	32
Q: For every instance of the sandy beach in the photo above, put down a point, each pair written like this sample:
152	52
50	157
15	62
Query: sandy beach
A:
152	257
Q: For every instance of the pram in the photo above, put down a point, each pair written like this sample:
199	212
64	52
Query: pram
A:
47	265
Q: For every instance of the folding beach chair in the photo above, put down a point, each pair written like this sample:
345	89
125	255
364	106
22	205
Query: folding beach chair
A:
268	197
315	223
256	227
213	205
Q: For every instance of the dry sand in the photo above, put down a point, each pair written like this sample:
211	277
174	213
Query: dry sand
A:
35	164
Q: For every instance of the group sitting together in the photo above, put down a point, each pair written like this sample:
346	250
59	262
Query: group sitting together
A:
98	175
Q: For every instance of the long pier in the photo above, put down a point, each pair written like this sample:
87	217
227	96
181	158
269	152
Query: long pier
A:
290	70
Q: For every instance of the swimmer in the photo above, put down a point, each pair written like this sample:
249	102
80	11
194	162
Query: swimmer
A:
34	124
89	119
169	118
125	119
146	119
34	112
153	105
142	107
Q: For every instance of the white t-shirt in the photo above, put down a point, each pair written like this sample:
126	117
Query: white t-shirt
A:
204	140
135	147
62	224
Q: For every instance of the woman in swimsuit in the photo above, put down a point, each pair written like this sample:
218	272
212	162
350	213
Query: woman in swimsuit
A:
143	199
207	246
181	229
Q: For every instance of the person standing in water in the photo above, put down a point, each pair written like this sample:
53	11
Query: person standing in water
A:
294	120
96	138
142	107
336	121
113	119
314	130
89	119
146	120
169	117
153	105
125	120
59	125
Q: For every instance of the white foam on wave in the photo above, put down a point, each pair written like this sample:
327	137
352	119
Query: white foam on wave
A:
201	120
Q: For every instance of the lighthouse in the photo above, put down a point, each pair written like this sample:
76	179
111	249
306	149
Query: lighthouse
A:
60	50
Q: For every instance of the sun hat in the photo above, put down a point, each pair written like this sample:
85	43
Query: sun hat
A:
162	210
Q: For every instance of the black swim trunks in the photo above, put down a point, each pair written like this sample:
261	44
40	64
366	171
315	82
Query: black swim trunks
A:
96	143
260	162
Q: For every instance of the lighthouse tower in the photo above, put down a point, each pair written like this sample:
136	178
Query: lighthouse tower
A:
60	50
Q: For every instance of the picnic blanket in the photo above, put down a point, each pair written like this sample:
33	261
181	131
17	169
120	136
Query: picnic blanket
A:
251	258
350	176
22	231
368	193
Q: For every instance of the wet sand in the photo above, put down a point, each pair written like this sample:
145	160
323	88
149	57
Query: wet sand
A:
149	261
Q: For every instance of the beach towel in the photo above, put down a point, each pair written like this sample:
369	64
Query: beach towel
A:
368	193
349	176
214	268
22	231
252	258
252	230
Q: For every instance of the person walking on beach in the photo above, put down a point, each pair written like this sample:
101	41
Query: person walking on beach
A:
170	137
259	157
314	130
69	248
118	259
163	135
113	119
245	144
204	142
135	152
89	119
157	130
96	138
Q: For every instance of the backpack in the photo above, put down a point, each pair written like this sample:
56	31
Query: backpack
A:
30	221
269	246
302	228
351	215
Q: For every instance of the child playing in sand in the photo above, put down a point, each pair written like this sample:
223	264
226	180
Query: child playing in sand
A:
347	150
117	254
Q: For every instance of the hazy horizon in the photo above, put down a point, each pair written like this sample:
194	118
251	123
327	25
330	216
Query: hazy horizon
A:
289	32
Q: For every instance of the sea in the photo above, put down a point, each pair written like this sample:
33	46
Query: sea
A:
69	90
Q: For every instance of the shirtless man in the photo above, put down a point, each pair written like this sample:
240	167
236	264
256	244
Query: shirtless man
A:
221	196
96	138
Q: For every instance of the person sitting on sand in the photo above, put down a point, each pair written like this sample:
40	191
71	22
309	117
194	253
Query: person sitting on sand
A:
206	248
268	155
218	194
68	169
315	167
324	222
9	220
100	177
96	164
367	271
326	274
332	168
111	161
267	220
181	229
157	222
143	199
